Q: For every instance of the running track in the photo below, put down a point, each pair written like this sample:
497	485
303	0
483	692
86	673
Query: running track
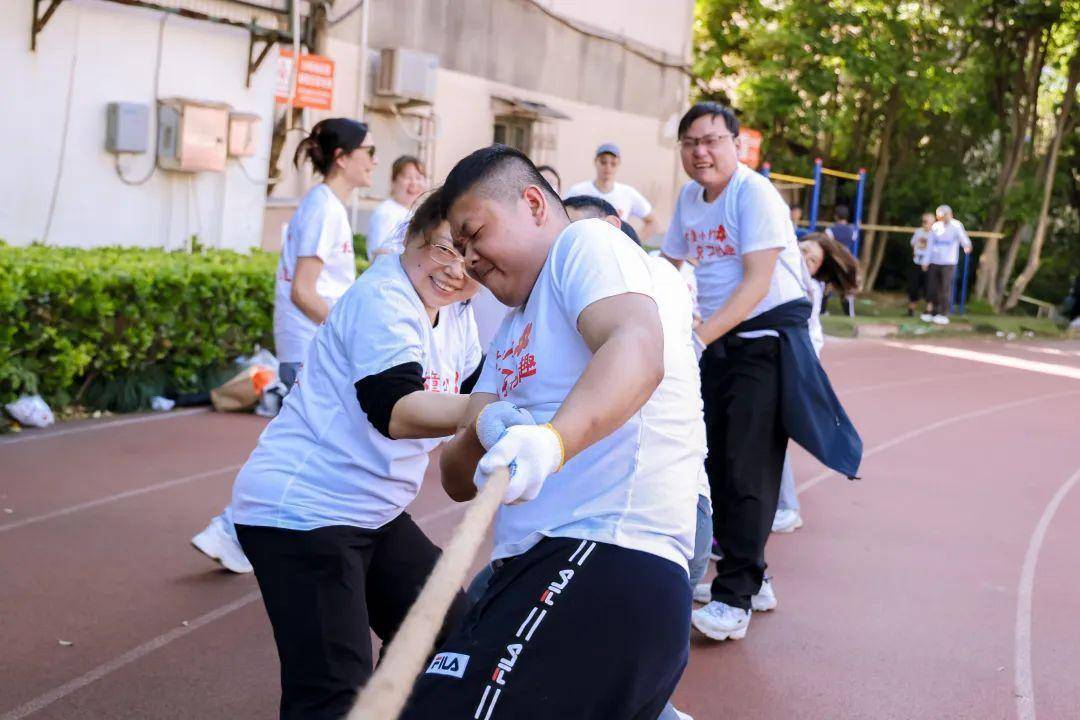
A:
942	585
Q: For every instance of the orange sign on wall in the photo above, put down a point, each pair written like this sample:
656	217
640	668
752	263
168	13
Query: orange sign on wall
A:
749	147
314	81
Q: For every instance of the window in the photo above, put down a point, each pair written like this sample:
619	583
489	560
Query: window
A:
515	132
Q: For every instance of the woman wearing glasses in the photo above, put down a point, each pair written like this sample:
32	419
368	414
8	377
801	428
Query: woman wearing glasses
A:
315	269
320	504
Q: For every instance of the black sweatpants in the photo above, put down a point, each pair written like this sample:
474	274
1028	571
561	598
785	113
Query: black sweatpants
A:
747	444
939	285
569	629
325	590
916	283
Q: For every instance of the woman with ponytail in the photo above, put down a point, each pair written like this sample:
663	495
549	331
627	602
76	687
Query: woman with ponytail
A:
316	268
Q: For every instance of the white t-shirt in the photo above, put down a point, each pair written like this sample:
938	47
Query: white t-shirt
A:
749	215
920	246
637	487
625	199
321	462
386	227
319	228
948	237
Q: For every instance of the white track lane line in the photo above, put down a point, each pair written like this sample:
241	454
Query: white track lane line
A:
1008	361
919	381
58	693
1024	684
881	447
113	498
31	436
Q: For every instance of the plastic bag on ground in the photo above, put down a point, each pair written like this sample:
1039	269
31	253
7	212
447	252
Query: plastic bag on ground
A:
161	404
243	390
31	410
270	403
261	356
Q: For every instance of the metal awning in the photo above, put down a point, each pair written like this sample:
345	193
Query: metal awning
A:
527	108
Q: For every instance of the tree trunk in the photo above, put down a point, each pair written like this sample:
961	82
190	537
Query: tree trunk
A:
1026	81
881	175
1061	128
1022	233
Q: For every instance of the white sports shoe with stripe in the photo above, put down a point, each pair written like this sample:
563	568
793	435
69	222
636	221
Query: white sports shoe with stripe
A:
218	544
720	621
765	599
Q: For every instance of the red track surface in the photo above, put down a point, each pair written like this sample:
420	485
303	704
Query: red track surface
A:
899	599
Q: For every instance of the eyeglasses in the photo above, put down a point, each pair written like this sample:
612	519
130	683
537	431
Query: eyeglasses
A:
446	255
370	150
707	141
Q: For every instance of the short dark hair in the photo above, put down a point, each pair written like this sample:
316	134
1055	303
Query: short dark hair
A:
593	206
712	109
841	212
427	216
502	170
553	171
326	138
402	163
600	208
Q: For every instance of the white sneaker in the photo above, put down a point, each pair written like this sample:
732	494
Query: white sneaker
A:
941	320
787	521
703	593
216	543
765	599
720	621
926	317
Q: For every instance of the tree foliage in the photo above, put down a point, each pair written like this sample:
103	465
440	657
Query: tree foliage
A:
943	101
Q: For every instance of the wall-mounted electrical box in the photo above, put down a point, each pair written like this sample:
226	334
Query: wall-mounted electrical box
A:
407	75
127	127
192	135
242	134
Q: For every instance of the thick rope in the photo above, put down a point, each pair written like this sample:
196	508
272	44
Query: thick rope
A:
385	694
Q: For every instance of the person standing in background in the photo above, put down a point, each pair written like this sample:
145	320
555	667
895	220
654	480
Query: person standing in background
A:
386	228
624	198
844	233
920	256
316	267
948	234
796	218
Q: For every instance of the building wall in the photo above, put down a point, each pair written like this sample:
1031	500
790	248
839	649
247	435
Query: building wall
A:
89	54
510	48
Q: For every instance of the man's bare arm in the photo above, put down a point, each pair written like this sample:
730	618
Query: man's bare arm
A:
627	341
757	276
460	456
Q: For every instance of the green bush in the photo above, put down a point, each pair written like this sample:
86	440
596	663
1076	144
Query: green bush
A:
75	318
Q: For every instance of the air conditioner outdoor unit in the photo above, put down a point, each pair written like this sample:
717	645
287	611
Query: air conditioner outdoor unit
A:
407	75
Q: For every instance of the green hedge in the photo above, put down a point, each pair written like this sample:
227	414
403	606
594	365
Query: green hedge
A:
76	319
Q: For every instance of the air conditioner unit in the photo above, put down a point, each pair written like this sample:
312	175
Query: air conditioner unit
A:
192	135
407	75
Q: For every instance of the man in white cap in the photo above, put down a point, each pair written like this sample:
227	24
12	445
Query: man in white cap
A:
946	237
624	198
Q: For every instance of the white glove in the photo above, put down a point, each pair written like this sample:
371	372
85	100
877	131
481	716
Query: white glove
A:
532	452
495	418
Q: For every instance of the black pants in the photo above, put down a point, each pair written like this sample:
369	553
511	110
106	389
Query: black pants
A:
325	590
747	444
570	629
916	283
939	285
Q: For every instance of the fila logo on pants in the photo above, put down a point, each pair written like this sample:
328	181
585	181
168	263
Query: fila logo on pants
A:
525	632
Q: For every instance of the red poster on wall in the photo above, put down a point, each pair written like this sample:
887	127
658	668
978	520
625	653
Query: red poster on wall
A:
749	147
314	81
